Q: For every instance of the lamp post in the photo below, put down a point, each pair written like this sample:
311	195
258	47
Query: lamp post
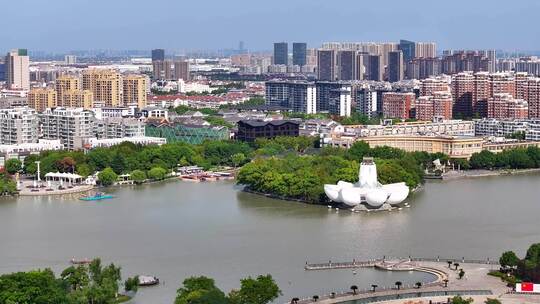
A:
38	172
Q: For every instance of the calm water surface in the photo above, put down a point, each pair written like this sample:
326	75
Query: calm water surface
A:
177	229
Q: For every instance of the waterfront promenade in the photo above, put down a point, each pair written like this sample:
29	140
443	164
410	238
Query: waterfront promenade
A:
476	282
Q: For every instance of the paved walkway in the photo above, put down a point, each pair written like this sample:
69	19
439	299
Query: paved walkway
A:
476	279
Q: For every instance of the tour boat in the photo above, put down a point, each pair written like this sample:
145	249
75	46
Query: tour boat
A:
148	280
96	197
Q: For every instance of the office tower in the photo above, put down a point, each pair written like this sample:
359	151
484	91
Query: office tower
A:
326	65
41	99
66	83
281	53
434	84
106	85
2	71
181	70
299	53
374	68
17	71
71	125
346	65
438	105
78	99
298	96
397	105
70	59
462	90
425	50
18	126
408	48
162	70
366	102
395	66
504	106
158	55
134	87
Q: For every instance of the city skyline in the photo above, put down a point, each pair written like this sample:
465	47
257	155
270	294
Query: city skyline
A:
217	25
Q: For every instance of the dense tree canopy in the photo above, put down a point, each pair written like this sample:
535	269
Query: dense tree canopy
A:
303	176
83	284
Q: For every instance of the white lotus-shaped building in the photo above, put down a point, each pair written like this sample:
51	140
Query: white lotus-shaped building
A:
367	190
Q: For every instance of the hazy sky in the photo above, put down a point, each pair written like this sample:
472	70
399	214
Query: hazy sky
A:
63	25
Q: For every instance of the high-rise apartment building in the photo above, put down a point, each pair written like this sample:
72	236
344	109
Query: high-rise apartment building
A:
425	50
18	126
434	84
158	55
66	83
281	53
421	68
395	66
533	97
326	65
162	70
41	99
71	125
134	93
299	96
78	99
299	53
181	70
397	105
438	105
504	106
70	59
366	102
17	69
105	85
339	101
462	90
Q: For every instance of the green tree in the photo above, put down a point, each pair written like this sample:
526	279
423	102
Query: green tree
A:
157	173
13	165
83	169
36	287
199	290
66	164
509	259
461	274
460	300
118	163
358	150
482	160
238	159
107	177
261	290
492	301
131	284
138	176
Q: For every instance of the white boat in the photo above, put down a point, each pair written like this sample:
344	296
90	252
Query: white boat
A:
148	280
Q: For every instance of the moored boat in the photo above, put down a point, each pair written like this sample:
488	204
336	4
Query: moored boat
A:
148	280
96	197
80	262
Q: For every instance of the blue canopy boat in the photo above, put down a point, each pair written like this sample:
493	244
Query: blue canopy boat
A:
96	197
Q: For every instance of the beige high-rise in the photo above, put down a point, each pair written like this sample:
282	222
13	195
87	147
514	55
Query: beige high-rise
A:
134	87
66	83
41	99
106	85
78	99
18	69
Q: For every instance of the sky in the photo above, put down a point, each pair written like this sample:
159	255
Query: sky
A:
64	25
